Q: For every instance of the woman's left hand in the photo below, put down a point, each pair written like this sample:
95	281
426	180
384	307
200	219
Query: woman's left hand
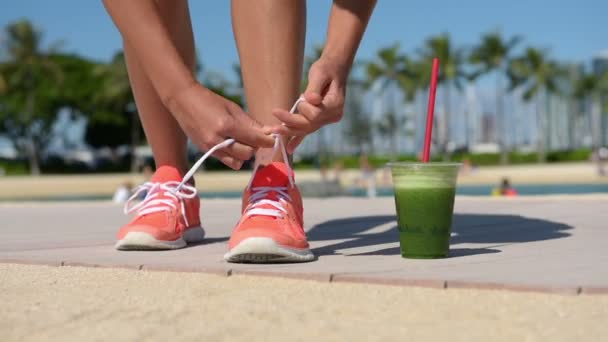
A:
324	103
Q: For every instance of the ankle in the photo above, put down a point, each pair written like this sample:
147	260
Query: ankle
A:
181	167
267	156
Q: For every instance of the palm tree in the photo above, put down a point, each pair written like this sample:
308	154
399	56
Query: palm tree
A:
27	64
390	126
451	75
492	55
357	127
590	88
538	75
391	68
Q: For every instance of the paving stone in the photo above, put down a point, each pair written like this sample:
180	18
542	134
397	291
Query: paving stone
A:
528	244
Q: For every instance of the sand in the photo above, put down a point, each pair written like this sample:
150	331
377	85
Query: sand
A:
26	187
86	304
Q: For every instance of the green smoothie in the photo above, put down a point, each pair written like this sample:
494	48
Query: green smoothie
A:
424	200
425	219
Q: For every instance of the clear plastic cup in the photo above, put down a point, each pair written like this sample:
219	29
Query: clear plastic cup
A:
424	199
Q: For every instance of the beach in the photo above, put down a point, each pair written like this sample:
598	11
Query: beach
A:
104	185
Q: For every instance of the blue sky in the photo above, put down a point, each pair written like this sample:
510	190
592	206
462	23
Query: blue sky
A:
572	30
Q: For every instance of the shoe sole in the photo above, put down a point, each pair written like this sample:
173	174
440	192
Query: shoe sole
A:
266	250
140	241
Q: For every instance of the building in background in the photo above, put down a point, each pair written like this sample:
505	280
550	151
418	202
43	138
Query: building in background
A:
600	62
600	66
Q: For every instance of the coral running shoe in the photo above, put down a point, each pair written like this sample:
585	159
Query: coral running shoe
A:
271	226
167	218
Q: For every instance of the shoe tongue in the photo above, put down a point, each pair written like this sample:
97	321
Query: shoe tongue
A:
166	174
275	174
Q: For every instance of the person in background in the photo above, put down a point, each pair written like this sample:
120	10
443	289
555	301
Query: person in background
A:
368	175
122	194
338	168
505	189
602	157
468	168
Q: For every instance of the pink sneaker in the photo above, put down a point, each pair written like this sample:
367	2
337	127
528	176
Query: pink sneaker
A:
166	219
271	228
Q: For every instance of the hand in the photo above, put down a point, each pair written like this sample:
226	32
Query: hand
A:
324	102
208	119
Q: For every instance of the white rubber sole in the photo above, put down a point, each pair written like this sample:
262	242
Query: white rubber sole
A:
136	241
266	250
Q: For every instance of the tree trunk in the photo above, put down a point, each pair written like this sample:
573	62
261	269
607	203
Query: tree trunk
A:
541	131
501	124
33	157
572	114
135	162
596	130
394	146
548	123
596	122
446	131
32	148
467	131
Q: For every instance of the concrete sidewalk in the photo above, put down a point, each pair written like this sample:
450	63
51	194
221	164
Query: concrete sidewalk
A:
555	244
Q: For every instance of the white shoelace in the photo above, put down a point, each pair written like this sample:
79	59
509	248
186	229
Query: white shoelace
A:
177	192
259	194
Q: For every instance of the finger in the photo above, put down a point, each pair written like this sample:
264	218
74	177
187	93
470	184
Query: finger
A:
313	98
248	131
310	112
294	143
291	120
239	151
333	100
287	131
228	160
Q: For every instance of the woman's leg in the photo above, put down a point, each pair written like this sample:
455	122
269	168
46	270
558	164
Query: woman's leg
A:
165	136
270	38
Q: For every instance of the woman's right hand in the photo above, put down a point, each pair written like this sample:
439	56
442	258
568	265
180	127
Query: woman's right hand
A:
208	119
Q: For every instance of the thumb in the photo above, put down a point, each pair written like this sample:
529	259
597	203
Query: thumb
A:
316	87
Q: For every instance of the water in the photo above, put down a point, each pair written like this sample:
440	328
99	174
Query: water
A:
71	198
468	190
523	190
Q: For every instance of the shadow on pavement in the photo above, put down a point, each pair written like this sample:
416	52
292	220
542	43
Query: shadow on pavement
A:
466	228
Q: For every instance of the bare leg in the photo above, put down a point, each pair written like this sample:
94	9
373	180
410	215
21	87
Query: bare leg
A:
270	39
165	136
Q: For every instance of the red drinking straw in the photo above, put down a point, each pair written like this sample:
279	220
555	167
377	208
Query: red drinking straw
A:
431	110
